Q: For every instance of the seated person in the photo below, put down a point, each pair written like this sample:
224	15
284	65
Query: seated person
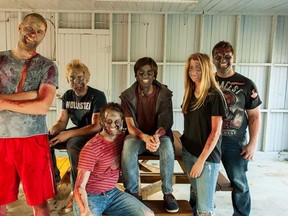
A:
98	172
148	113
82	105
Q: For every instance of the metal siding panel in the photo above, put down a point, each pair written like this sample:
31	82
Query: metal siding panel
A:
174	79
155	37
182	36
119	81
218	28
277	138
120	31
281	42
279	90
254	41
138	36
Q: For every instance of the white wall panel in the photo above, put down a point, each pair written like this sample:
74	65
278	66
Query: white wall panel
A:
278	138
218	28
120	31
3	30
255	36
119	81
281	40
147	36
182	37
279	88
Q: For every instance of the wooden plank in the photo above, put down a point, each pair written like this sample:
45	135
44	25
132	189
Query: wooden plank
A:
158	207
63	165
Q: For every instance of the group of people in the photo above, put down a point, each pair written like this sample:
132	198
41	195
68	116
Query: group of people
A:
217	109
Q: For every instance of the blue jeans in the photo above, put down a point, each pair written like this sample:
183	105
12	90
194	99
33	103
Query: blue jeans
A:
73	146
236	168
202	188
129	162
113	202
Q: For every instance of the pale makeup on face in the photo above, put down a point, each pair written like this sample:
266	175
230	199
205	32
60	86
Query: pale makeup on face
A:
195	71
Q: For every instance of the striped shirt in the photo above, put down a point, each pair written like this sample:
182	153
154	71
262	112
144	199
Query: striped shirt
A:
102	158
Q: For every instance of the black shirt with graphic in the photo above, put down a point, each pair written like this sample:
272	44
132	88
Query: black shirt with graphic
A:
80	109
198	125
241	94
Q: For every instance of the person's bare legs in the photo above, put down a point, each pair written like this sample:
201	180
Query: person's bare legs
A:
41	210
2	210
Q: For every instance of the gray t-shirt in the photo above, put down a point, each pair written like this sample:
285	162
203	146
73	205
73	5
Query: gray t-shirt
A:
39	70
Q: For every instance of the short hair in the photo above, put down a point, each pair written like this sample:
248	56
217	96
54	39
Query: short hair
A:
113	107
222	45
36	15
76	63
146	61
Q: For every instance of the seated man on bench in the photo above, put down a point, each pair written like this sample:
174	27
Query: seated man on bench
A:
82	105
148	114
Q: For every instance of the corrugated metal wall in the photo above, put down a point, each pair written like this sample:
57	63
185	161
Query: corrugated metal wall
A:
260	43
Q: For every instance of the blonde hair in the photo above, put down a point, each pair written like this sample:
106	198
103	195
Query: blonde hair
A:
77	64
207	81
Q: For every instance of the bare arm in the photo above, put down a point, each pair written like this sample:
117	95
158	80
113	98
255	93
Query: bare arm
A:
37	106
20	96
63	135
210	144
254	118
80	192
151	145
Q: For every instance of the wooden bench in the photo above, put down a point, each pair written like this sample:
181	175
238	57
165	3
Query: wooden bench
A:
151	174
158	207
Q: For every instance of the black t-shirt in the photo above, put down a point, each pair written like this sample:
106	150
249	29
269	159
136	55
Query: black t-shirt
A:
80	109
240	94
197	125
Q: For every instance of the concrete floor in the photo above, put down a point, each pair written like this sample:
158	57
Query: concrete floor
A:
268	179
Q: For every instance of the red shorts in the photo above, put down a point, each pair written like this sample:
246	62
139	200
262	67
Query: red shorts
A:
27	160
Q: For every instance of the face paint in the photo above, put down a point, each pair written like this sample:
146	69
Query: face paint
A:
223	60
112	123
77	82
145	76
32	33
195	71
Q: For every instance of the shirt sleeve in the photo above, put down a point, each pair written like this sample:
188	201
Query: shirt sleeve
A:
99	101
253	99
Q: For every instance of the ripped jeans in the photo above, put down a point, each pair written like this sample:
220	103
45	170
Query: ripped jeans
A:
113	202
202	188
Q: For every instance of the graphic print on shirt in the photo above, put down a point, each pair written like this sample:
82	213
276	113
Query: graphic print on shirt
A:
78	105
236	114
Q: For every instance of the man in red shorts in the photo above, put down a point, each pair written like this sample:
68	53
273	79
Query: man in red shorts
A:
27	88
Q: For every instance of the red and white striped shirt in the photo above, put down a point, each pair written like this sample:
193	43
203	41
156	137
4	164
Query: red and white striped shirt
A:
102	158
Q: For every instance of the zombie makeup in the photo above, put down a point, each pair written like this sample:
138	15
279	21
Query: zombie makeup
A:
145	76
223	59
195	71
32	33
77	81
113	123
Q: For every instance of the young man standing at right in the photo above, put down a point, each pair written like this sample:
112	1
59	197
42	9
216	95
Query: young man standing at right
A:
244	111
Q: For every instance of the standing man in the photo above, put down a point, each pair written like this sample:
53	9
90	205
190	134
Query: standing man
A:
244	110
82	105
148	113
27	87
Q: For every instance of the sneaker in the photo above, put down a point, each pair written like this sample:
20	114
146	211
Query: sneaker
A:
170	203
